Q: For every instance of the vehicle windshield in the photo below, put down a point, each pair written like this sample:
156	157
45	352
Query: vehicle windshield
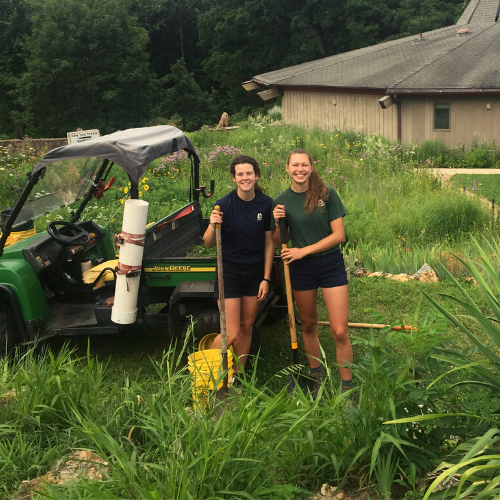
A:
64	182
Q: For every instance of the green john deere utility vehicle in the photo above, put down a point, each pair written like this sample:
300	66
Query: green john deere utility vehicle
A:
42	290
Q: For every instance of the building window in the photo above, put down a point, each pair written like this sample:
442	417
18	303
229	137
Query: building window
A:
441	117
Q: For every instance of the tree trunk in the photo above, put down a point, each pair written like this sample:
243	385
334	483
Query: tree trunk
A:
320	39
19	130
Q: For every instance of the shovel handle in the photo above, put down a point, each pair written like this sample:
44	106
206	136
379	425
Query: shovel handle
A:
222	304
289	296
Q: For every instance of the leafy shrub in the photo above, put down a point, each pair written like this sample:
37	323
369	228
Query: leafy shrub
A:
430	149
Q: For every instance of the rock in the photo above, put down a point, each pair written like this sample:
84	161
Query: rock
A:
427	277
359	272
400	277
424	269
328	492
8	397
80	464
378	274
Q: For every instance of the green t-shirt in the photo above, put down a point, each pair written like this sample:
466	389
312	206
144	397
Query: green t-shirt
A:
306	229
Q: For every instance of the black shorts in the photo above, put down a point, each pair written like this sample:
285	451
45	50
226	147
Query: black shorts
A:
240	279
318	271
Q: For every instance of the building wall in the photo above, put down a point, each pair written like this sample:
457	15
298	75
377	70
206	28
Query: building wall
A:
352	112
469	119
35	146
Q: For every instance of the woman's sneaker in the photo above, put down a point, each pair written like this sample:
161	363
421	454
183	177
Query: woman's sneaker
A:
352	397
319	378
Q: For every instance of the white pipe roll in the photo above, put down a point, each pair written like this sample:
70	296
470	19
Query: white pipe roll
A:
135	218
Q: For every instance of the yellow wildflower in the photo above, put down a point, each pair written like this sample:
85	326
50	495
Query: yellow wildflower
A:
125	190
145	187
122	201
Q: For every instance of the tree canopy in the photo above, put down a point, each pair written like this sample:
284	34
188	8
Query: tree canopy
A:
113	64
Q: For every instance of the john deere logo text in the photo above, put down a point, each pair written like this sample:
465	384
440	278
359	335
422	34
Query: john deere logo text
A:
179	269
169	269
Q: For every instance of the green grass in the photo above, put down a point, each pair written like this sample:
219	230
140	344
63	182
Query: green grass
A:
487	185
130	352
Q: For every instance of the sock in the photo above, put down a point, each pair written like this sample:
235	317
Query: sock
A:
318	369
347	384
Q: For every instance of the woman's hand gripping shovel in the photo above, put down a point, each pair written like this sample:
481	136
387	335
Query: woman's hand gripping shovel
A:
295	382
222	394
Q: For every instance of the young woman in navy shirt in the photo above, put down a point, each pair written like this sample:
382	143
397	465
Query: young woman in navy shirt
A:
247	253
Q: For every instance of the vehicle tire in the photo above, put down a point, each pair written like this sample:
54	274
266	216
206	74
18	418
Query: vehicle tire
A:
206	326
8	331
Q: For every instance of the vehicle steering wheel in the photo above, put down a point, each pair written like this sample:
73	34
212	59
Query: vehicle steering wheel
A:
69	234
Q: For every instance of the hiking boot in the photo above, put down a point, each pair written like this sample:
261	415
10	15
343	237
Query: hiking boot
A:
319	378
352	398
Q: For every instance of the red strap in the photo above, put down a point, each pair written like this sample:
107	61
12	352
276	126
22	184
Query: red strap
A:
126	270
134	239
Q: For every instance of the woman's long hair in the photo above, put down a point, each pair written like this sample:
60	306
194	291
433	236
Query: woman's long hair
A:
318	190
246	159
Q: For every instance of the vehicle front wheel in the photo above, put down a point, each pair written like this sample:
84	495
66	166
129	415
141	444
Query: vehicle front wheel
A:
8	331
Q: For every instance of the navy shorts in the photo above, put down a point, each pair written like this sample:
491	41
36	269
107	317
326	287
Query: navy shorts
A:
240	279
318	271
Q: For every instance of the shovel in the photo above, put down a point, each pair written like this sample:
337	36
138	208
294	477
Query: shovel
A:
222	393
296	381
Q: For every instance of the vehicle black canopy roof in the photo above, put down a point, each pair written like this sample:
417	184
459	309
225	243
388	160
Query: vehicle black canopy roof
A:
133	149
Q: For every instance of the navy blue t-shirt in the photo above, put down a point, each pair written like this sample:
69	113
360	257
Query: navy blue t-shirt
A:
243	226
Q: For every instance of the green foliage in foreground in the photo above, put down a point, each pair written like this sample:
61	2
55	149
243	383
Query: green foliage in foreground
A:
476	461
265	445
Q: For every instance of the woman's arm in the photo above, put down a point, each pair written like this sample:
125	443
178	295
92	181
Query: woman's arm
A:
209	237
334	239
268	264
268	255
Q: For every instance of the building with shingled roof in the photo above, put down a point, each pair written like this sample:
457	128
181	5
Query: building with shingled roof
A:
443	84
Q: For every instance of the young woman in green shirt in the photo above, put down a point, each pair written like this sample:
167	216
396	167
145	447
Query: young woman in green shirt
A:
314	214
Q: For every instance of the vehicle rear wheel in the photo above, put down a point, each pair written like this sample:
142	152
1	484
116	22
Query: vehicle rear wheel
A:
8	330
206	326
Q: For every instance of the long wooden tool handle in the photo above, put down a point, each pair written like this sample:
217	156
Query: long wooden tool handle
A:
222	304
375	326
289	296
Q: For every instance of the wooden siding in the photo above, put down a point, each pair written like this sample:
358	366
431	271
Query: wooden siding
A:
470	121
353	112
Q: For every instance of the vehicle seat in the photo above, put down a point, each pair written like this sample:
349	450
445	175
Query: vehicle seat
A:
93	273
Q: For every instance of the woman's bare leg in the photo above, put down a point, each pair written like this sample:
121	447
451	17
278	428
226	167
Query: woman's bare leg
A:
233	310
337	305
242	344
306	303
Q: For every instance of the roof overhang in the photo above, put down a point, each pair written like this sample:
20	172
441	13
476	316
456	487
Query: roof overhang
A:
442	91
